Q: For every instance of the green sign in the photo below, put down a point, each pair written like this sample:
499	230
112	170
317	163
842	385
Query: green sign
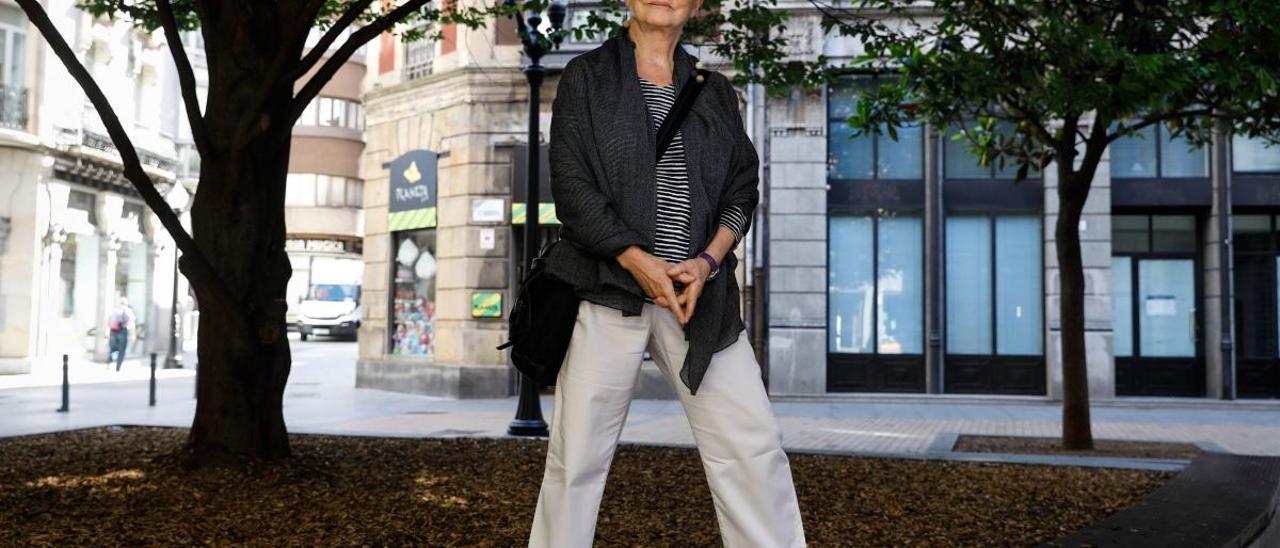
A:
487	304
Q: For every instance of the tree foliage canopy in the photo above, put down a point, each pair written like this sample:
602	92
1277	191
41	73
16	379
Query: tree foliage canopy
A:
1016	77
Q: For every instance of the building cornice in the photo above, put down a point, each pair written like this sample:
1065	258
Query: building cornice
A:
468	75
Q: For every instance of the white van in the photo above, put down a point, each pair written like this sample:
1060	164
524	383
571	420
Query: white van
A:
332	303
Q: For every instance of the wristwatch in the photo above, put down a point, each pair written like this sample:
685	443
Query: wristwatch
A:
715	267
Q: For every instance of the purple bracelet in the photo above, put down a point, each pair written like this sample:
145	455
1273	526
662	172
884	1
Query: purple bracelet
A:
715	267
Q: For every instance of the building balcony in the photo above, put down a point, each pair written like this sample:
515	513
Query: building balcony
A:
13	107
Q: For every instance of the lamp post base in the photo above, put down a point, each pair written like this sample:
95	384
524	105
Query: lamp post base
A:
173	362
534	428
528	420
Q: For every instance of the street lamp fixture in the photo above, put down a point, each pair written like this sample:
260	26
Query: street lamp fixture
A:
528	420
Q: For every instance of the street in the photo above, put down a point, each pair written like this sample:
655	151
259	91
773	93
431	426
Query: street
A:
320	389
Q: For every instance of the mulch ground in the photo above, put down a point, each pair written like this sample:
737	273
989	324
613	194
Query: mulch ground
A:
1053	446
121	487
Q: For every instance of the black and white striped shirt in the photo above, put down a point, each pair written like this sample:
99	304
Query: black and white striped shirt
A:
672	230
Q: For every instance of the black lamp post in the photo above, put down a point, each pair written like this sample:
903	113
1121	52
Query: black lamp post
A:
528	421
177	200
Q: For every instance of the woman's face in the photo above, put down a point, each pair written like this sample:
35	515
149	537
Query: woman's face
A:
663	13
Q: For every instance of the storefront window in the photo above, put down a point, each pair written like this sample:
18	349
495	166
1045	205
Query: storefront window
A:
1153	285
1019	294
1257	304
413	304
1254	155
67	277
1153	153
960	163
867	156
123	260
79	269
852	284
993	284
880	301
969	290
899	284
78	291
1255	281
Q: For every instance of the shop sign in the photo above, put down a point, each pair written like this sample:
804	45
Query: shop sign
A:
413	190
317	246
486	304
546	214
485	210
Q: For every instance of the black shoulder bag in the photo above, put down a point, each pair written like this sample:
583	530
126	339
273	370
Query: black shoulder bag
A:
542	319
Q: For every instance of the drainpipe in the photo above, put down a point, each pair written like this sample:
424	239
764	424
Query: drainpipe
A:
758	246
1226	267
935	366
760	253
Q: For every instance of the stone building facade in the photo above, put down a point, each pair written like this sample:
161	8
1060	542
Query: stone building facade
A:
74	235
886	266
905	267
439	280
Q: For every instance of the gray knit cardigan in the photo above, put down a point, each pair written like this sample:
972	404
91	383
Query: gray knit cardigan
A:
602	151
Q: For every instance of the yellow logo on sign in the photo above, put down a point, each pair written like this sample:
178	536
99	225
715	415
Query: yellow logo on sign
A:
412	174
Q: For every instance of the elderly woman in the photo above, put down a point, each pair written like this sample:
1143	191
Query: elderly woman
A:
647	243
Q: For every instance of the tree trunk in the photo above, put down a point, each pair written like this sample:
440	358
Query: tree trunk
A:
244	362
1077	431
238	222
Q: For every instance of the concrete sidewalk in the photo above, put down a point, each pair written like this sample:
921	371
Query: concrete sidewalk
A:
869	427
320	398
863	427
81	371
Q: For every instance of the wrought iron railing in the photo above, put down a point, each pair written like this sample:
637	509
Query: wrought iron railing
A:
13	107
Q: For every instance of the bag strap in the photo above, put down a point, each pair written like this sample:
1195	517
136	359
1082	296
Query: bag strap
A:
684	101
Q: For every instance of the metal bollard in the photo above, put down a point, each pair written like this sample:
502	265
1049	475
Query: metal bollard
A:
152	401
66	388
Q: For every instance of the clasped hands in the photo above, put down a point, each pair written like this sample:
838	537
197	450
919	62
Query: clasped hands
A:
658	279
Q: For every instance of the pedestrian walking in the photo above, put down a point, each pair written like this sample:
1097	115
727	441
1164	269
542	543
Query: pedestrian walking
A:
649	236
120	331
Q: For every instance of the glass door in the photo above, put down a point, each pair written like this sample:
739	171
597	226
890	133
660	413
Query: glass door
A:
1257	305
1166	313
1154	308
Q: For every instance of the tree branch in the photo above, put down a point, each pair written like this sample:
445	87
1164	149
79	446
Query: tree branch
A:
339	58
186	77
317	52
199	267
1094	145
1160	117
1037	126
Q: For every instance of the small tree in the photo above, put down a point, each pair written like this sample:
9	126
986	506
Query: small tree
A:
235	258
1040	82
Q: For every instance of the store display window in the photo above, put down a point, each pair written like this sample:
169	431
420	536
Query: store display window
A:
413	309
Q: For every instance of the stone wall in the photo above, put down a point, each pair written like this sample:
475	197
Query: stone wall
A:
20	256
797	245
465	113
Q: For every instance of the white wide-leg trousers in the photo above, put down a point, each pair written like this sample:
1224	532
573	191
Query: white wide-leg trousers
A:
738	438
